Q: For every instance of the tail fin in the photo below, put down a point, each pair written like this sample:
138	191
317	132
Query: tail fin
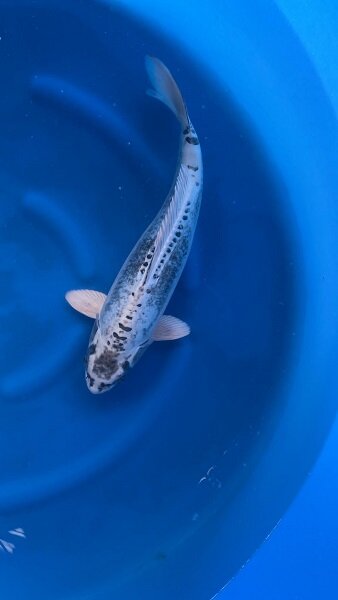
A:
166	89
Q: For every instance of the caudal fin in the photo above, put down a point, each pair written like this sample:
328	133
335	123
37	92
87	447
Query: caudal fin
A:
166	89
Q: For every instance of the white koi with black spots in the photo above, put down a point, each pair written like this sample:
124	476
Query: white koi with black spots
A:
130	317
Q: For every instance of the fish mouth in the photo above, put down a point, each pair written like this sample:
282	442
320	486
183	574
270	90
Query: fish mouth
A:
97	386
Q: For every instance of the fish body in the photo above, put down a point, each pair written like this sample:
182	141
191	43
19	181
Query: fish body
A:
131	316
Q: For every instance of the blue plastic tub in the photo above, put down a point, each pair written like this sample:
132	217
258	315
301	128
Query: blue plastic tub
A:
164	487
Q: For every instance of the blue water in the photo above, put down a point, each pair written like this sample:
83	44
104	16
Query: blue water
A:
115	489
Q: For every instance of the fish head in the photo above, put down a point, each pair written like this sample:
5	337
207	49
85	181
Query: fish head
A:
104	365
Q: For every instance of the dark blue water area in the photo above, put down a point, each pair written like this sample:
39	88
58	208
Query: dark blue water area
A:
117	482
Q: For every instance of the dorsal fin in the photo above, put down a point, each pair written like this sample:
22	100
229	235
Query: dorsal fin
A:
169	221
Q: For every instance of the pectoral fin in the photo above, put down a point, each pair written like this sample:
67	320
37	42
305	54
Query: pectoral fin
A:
170	328
87	302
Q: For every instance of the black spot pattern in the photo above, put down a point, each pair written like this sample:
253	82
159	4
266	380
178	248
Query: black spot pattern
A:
104	386
124	327
106	364
90	380
192	140
119	337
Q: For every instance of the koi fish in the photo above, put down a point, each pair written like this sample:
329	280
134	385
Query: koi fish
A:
131	316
